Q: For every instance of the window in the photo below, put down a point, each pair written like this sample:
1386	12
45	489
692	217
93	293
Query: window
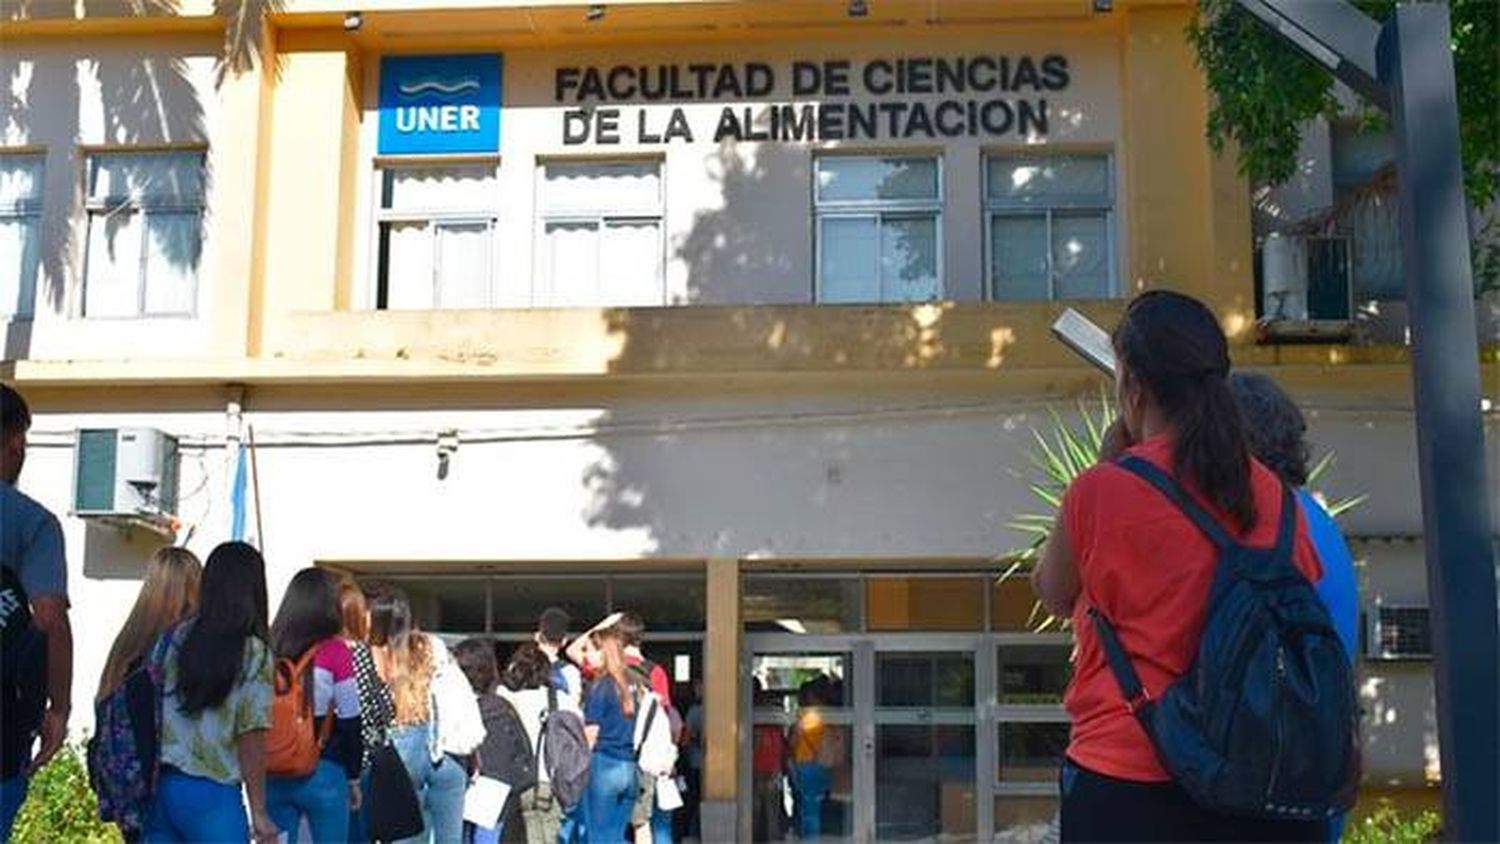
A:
878	229
436	236
1049	227
600	242
20	221
145	233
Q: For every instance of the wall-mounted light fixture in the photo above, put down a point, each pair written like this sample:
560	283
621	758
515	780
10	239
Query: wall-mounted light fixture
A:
1104	5
859	8
595	13
353	21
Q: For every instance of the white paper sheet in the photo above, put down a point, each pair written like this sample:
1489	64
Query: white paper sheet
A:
484	801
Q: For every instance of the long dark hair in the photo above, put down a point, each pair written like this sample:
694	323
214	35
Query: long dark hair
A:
231	610
309	613
1173	346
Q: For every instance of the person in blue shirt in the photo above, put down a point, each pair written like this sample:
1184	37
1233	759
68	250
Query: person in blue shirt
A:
31	547
1278	438
609	724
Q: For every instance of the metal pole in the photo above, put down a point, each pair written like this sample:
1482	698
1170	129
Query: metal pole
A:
1416	64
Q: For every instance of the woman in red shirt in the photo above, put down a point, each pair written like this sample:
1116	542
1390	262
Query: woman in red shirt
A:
1124	548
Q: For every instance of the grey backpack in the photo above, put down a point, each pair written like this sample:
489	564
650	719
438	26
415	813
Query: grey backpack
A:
564	752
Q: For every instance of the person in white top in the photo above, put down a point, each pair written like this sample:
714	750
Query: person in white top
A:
524	686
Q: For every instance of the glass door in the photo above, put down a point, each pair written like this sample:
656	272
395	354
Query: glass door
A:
800	756
925	744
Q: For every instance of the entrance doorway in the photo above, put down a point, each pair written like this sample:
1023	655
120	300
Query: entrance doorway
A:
864	735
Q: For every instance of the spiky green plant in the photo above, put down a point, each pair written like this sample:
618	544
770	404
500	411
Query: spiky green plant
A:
1065	451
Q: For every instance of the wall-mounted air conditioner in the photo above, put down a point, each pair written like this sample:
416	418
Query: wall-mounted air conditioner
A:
1398	632
125	473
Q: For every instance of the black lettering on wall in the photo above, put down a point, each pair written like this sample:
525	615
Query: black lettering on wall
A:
760	79
797	123
607	126
642	134
622	82
836	78
949	117
807	78
592	86
831	122
729	127
678	128
878	77
1055	75
1032	117
567	80
863	122
575	127
997	117
1026	75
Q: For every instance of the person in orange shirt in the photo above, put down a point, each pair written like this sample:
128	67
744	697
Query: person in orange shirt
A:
1126	550
811	778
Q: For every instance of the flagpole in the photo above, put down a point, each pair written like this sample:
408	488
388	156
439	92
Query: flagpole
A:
260	530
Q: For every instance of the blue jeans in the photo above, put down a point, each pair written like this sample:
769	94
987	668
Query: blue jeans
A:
440	788
572	831
661	825
359	822
12	795
610	798
483	834
323	796
812	784
189	808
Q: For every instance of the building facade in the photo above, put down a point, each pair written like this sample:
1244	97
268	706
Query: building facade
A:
733	313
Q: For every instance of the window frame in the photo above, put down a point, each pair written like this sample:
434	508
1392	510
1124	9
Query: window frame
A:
146	207
26	210
543	287
435	218
879	210
1049	210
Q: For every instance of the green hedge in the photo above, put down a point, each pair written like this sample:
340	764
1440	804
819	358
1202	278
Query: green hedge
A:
1387	826
60	806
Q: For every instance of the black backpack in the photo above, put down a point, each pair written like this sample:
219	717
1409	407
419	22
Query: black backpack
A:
507	755
564	750
1265	724
23	674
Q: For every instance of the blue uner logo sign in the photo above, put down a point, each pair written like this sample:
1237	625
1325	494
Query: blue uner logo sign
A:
440	104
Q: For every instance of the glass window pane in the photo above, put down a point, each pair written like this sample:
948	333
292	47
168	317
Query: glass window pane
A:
408	265
1031	752
848	178
849	249
571	264
1018	258
20	182
443	605
666	603
1025	820
111	286
452	187
174	243
1080	255
174	178
909	259
1053	179
924	783
801	604
1034	675
612	186
925	603
924	680
463	255
519	601
631	257
19	261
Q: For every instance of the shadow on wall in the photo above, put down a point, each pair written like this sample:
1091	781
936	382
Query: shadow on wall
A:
148	98
832	455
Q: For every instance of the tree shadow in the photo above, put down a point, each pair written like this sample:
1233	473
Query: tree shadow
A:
148	98
801	441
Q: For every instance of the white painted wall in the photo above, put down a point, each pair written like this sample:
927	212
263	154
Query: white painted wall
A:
891	472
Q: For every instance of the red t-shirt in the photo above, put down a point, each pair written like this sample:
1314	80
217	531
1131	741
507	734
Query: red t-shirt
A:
1148	569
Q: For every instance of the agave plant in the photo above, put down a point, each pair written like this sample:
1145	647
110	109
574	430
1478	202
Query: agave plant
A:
1066	451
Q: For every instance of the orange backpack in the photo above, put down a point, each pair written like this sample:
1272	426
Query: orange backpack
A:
294	741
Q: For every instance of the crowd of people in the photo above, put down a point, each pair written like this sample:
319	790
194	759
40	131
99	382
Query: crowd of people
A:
1194	604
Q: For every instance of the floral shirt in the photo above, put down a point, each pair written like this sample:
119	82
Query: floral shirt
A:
204	744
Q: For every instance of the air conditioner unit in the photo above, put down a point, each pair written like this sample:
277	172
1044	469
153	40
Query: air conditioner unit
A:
1399	632
125	472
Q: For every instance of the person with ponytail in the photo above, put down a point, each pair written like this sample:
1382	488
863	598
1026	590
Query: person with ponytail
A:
216	708
609	726
1123	548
